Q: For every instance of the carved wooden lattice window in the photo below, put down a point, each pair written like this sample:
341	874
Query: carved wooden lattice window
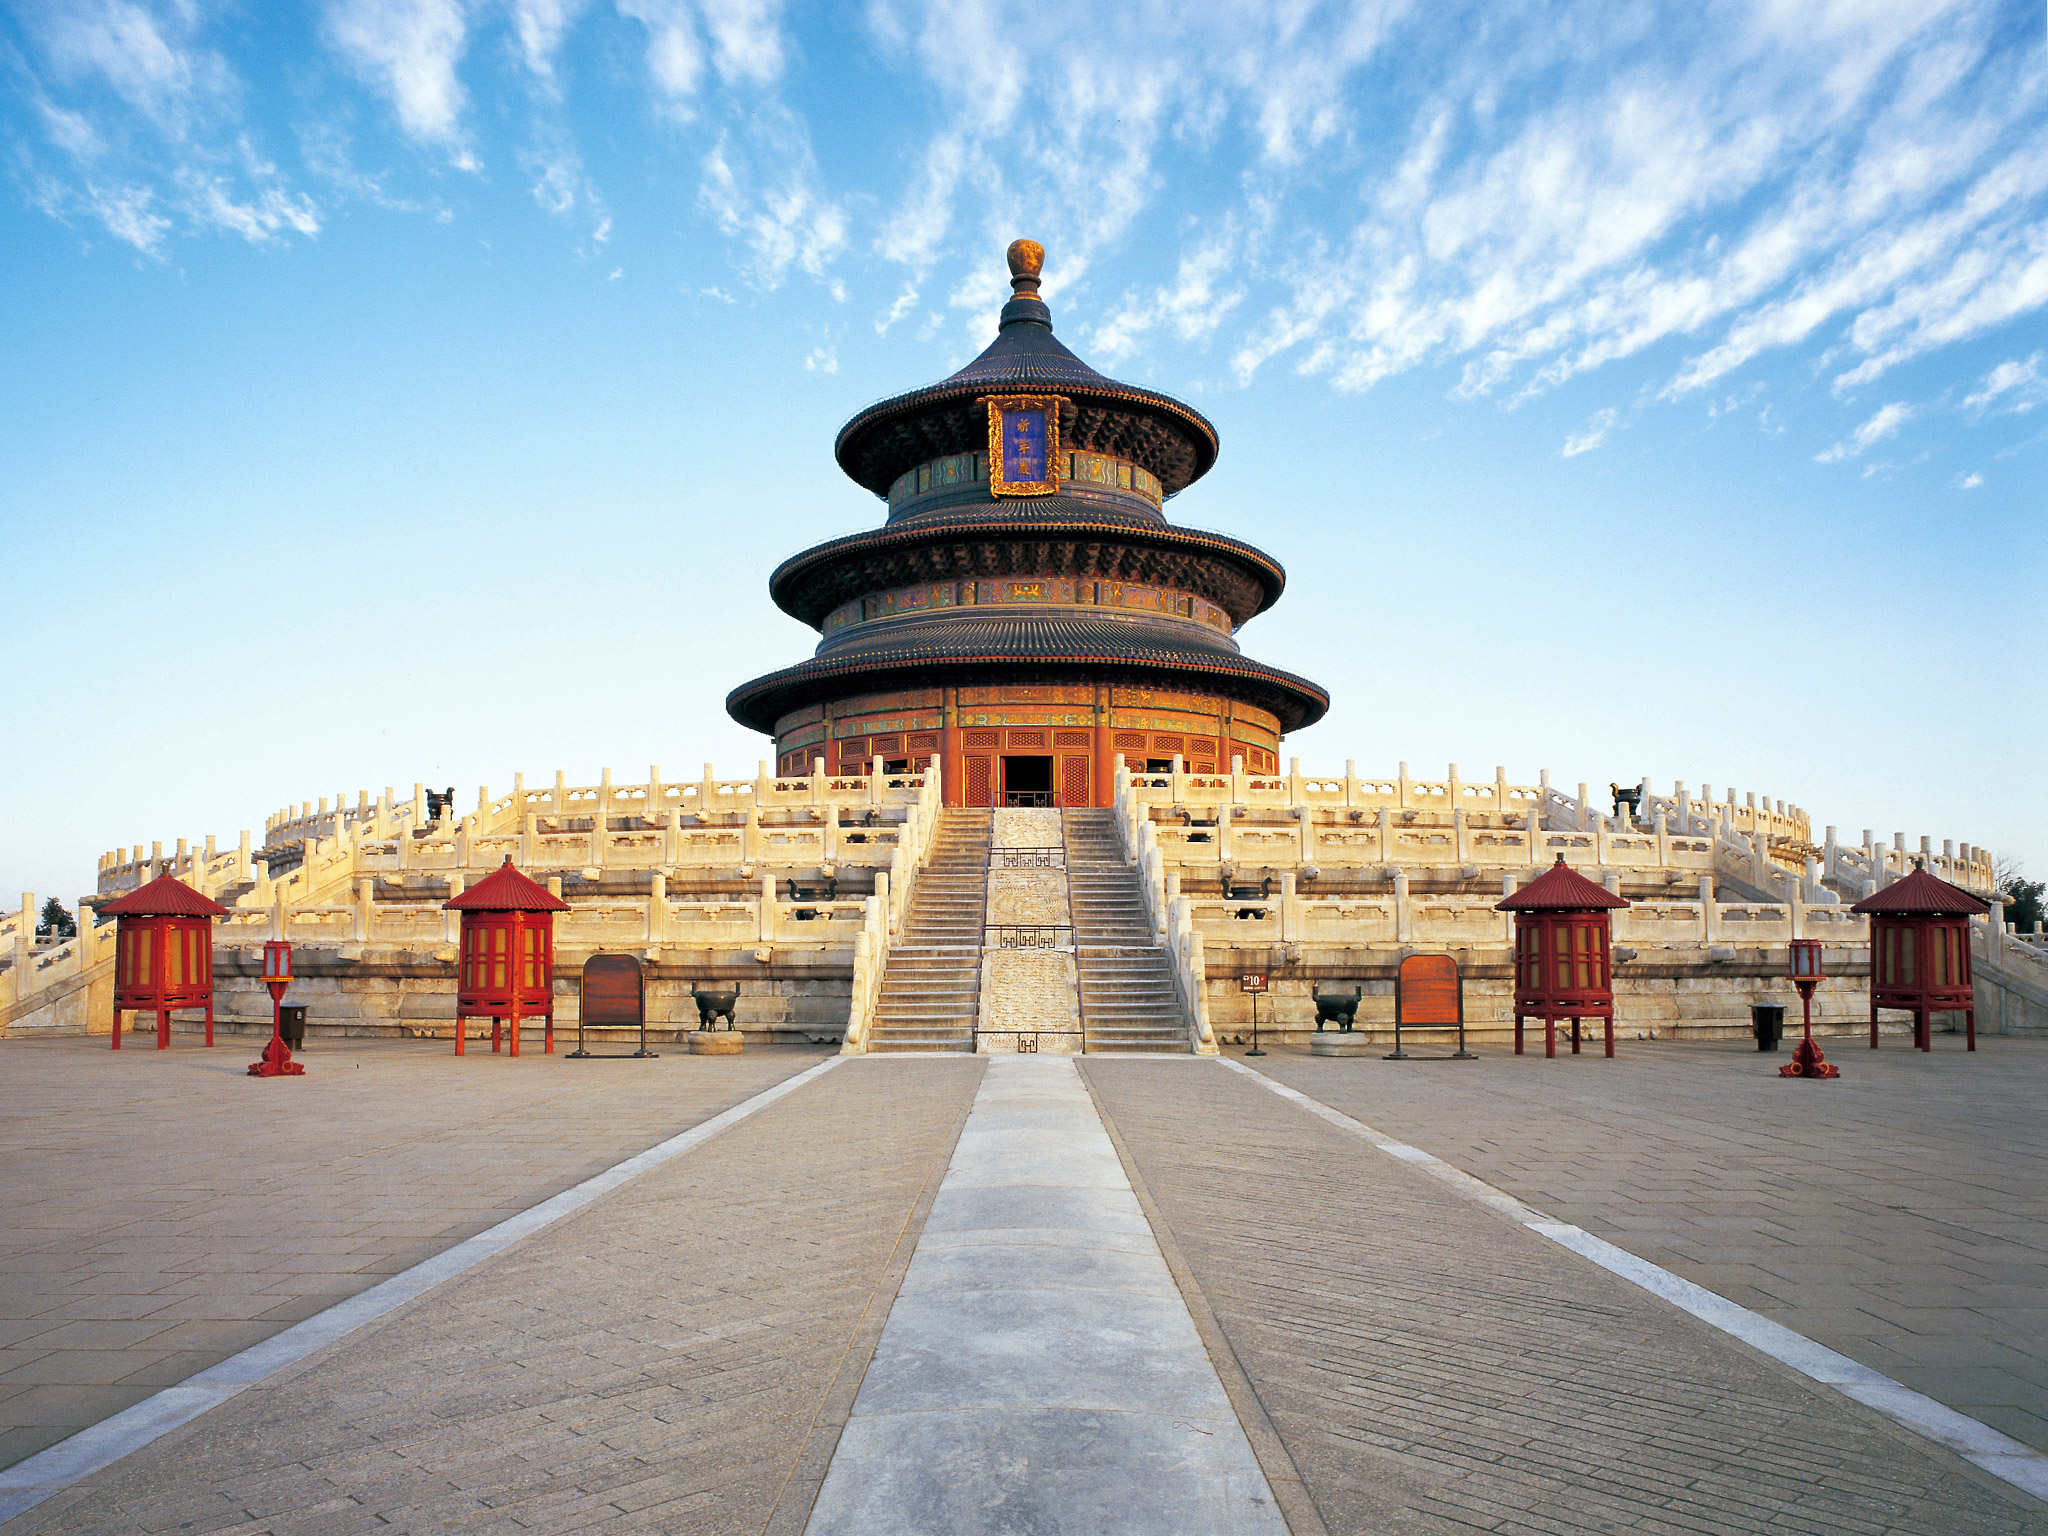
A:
1169	743
984	738
1074	781
1027	738
978	781
924	743
1129	741
1073	739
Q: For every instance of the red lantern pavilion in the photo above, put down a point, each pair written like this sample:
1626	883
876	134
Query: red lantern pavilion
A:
1026	612
1562	953
1920	953
163	953
506	960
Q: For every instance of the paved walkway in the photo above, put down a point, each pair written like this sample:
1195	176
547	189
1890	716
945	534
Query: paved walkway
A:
675	1358
1430	1366
1187	1305
1040	1372
162	1210
1898	1214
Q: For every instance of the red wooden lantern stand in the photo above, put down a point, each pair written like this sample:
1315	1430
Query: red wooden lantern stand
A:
1807	1060
506	958
1562	953
163	953
1920	953
276	1060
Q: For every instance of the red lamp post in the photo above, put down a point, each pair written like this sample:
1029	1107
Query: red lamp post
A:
1920	953
276	1060
163	953
1563	964
1807	1060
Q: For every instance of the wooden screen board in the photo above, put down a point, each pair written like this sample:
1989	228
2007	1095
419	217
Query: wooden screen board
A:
612	993
1428	991
1429	994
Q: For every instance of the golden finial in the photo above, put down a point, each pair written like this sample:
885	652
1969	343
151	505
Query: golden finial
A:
1027	258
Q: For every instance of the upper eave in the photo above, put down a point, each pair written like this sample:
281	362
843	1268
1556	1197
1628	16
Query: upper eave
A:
1174	441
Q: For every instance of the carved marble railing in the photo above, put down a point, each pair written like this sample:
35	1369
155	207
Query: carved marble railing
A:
1398	920
888	910
1169	912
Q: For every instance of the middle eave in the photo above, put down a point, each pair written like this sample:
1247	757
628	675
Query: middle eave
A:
1243	580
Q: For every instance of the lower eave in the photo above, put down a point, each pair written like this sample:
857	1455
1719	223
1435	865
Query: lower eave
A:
759	704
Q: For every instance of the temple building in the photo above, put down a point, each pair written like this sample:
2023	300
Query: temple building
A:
1026	612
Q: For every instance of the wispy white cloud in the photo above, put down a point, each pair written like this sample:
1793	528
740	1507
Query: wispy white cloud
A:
823	359
540	27
906	301
1887	421
141	127
675	52
1049	131
1593	437
1515	193
762	187
1204	291
746	39
1969	482
1792	169
2014	385
409	49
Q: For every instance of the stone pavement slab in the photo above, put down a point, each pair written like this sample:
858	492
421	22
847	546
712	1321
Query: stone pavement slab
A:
1040	1371
160	1211
1426	1365
659	1361
1898	1214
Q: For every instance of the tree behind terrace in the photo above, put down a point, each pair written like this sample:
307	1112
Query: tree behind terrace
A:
2024	900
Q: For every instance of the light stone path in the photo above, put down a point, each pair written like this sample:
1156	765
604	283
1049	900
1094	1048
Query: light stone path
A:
1040	1372
160	1211
1429	1365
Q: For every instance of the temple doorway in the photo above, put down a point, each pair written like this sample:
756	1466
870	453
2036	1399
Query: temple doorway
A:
1027	781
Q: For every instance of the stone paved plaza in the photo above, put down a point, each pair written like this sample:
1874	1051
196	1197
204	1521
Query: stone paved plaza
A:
164	1210
1898	1214
743	1338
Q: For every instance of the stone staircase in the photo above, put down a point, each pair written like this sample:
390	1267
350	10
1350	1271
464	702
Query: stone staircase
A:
931	985
1129	1004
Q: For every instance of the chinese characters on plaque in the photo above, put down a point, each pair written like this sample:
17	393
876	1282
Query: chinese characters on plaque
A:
1024	444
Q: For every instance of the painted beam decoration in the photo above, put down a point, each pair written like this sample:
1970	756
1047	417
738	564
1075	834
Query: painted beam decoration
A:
1024	444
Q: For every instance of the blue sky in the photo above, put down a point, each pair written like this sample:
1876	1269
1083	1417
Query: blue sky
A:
407	390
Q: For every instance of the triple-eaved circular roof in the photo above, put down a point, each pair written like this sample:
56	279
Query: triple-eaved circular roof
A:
964	537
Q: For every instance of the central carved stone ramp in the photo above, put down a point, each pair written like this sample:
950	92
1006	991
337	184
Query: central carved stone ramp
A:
1128	1000
931	987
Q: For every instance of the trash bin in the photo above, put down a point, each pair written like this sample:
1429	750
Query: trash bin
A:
1768	1021
292	1025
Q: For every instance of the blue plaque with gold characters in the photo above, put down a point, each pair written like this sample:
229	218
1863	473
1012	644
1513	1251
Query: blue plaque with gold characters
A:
1024	444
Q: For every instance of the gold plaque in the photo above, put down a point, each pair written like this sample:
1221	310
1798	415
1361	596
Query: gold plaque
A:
1024	444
